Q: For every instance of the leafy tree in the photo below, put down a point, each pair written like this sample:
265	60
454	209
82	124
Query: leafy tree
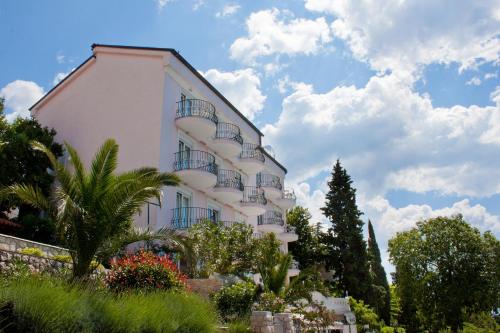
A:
272	265
92	208
22	164
307	250
365	315
346	249
395	306
381	293
445	270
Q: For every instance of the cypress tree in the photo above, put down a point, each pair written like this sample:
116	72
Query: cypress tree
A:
381	293
346	249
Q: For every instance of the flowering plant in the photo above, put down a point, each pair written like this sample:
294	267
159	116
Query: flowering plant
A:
145	271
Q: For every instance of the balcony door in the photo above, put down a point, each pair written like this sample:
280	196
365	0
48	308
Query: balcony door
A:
213	213
183	212
184	155
185	105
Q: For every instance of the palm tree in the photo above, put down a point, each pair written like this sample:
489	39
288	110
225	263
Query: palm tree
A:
272	265
93	209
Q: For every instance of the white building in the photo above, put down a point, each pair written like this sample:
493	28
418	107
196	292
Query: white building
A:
163	113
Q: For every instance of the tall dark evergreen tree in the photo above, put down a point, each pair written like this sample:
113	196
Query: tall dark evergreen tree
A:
380	289
346	249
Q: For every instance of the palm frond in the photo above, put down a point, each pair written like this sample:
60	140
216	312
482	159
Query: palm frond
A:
76	162
104	163
32	195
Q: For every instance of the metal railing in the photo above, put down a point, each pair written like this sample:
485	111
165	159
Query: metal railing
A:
229	131
288	194
253	194
186	217
229	224
253	151
270	217
268	180
195	159
196	108
229	179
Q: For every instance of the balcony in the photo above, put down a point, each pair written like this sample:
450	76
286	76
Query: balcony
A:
271	221
271	184
288	234
228	141
287	199
251	159
253	202
196	168
294	268
229	187
185	217
197	117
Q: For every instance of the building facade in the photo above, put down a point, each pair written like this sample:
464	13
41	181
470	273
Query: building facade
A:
164	114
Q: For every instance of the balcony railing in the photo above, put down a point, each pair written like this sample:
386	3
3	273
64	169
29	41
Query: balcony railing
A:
289	194
186	217
267	180
290	228
253	195
229	131
229	179
270	217
196	108
252	151
195	159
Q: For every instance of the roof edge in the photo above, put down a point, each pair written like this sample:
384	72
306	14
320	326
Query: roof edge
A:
274	160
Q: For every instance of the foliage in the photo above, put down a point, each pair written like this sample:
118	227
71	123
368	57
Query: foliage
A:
238	327
389	329
32	251
50	305
308	251
316	317
445	270
272	265
481	322
15	269
302	285
380	293
145	271
214	247
92	207
346	249
21	163
364	315
395	305
269	301
63	258
235	301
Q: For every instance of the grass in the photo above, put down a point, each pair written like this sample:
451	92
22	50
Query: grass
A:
51	305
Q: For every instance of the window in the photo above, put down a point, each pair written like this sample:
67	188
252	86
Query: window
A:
184	158
182	212
213	213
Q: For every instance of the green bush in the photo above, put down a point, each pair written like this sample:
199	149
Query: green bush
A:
238	327
270	302
32	251
235	301
63	258
389	329
50	305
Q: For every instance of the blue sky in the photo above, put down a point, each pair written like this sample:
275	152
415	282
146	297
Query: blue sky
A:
406	95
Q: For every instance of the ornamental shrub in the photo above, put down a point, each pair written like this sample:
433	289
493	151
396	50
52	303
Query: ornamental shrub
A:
145	271
270	302
32	251
235	301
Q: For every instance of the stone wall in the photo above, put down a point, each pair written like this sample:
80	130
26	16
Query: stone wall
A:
14	244
205	287
35	264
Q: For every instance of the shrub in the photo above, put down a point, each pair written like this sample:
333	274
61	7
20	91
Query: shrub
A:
63	258
50	305
270	302
389	329
32	251
235	301
238	327
146	271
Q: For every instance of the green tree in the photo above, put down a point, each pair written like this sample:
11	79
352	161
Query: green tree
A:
365	315
307	250
346	249
92	208
381	293
22	164
445	271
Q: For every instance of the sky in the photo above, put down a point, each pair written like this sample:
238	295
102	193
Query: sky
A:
405	93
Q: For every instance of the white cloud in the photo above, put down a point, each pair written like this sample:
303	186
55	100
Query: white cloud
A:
162	3
475	81
241	87
228	10
400	35
198	4
19	96
274	32
492	135
60	76
488	76
60	57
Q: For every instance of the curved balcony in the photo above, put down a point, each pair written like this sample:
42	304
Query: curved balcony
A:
289	234
253	202
287	199
186	217
271	185
197	117
228	140
251	158
196	168
229	187
271	221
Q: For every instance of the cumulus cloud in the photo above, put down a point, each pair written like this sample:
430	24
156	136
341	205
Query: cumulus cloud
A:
241	87
400	35
277	32
19	96
60	76
162	3
228	10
